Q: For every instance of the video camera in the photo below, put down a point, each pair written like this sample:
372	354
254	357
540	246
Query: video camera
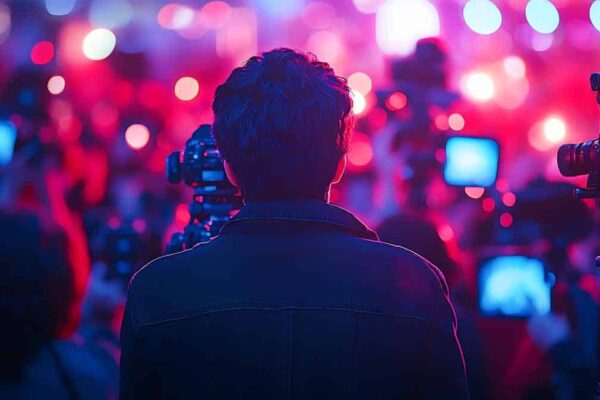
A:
215	199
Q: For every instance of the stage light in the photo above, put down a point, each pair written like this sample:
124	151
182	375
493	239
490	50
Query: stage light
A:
474	192
506	220
514	67
360	82
361	151
456	122
554	129
60	7
542	15
110	13
478	86
401	23
99	44
56	84
215	14
359	102
8	137
368	6
280	9
137	136
595	14
482	16
42	53
509	199
396	101
186	88
175	16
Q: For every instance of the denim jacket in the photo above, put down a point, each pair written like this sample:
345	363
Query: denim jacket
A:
295	300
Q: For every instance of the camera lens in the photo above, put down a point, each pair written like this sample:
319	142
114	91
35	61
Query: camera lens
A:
579	159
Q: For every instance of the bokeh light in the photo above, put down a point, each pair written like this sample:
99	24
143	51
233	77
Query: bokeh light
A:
361	151
396	101
42	53
56	84
542	16
368	6
110	13
8	137
318	15
514	67
60	7
137	136
595	14
175	16
456	122
555	129
488	204
5	22
99	44
187	88
482	16
446	233
478	86
506	220
509	199
401	23
360	82
326	45
216	14
474	192
359	102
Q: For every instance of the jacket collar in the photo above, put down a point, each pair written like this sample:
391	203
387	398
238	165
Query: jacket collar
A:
306	210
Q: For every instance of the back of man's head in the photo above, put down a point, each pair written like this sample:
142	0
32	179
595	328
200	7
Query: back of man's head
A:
282	122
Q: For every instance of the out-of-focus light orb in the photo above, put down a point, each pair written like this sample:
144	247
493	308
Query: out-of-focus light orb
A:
396	101
360	82
541	41
137	136
318	15
474	192
110	13
60	7
595	14
56	84
482	16
478	86
445	232
456	122
368	6
5	22
187	88
280	9
359	103
555	129
175	16
542	16
361	151
216	14
401	23
509	199
99	44
514	67
327	46
42	53
506	220
488	204
8	137
514	94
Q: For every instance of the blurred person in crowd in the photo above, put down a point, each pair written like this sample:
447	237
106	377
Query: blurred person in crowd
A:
36	293
295	297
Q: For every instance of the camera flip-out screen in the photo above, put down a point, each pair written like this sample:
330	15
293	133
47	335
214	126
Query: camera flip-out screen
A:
471	161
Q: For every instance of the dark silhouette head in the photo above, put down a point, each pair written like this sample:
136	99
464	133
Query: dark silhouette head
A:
282	123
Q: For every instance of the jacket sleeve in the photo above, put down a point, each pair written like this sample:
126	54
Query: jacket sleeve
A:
136	380
444	370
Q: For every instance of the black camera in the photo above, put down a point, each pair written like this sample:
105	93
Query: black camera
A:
583	158
215	199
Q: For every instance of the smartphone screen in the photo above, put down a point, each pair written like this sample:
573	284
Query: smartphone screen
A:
471	161
8	137
513	286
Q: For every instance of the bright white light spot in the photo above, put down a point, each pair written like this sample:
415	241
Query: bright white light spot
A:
478	86
456	122
542	15
482	16
595	14
514	67
110	13
186	88
401	23
360	82
175	16
137	136
359	102
99	44
555	129
56	84
60	7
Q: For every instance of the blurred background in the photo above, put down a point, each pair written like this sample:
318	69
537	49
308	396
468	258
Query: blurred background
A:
95	94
